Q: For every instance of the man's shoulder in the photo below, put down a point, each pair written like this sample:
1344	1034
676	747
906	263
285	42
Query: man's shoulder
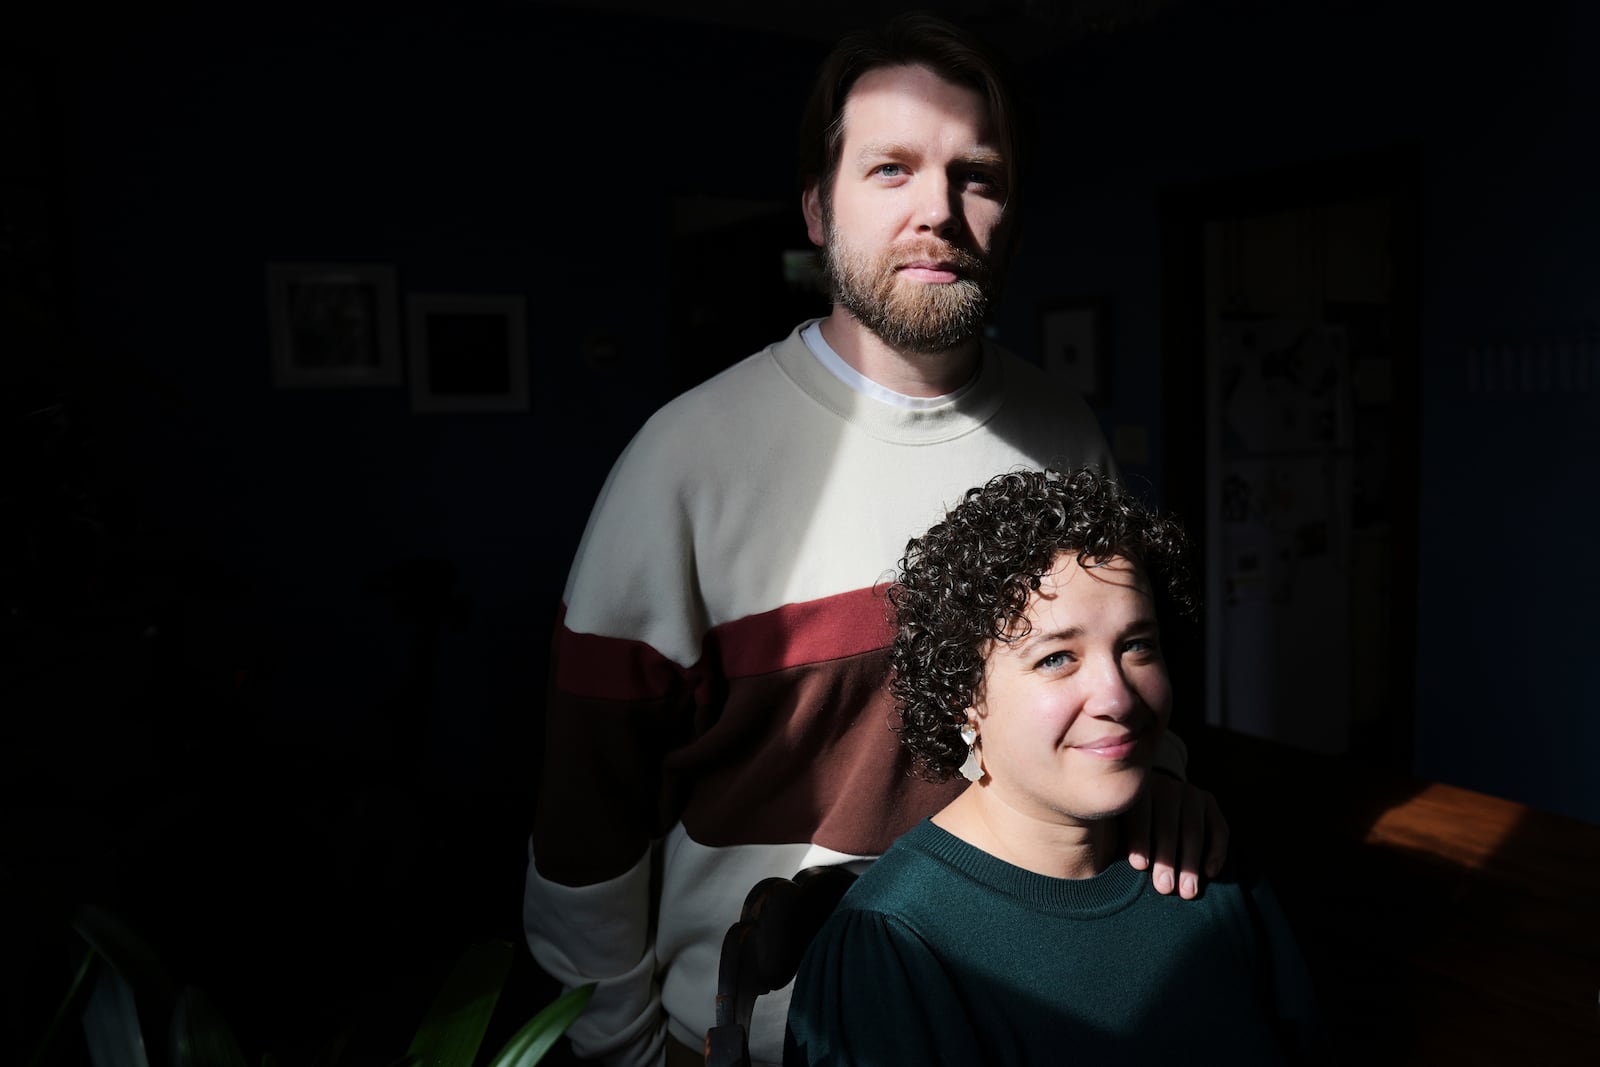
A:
706	431
1044	416
1026	377
750	381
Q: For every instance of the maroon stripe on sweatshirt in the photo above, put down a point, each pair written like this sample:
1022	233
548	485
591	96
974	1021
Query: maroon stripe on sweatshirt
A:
806	754
834	627
593	667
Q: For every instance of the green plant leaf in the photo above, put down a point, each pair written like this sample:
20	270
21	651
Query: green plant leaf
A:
200	1036
128	953
528	1045
453	1028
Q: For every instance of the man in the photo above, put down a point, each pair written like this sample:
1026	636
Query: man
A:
717	692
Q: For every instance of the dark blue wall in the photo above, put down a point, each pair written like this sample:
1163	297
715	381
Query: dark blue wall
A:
532	151
509	149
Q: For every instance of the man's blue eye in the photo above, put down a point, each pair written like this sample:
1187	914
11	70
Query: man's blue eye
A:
889	170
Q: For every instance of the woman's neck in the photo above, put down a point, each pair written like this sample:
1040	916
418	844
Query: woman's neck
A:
1058	847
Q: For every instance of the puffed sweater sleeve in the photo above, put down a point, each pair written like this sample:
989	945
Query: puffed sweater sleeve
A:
1290	989
870	992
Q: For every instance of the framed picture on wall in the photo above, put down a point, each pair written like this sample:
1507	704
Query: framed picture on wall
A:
1072	346
468	353
333	324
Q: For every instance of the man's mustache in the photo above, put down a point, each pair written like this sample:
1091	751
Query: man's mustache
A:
932	250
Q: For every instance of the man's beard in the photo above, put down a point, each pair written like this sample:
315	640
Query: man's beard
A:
910	317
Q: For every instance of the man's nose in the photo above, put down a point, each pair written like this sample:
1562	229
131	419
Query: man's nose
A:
936	207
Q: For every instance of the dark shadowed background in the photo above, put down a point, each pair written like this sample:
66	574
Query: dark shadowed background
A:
274	657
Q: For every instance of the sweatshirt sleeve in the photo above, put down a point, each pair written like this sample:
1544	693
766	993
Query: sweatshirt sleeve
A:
623	694
596	933
870	992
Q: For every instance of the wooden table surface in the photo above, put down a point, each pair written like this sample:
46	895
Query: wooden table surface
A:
1441	925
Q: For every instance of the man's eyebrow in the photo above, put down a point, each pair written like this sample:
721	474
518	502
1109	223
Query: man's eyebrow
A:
983	158
879	149
978	157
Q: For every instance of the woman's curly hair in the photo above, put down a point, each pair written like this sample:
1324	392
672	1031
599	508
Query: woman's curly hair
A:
966	582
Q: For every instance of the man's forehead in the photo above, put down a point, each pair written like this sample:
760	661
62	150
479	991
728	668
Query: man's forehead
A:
890	87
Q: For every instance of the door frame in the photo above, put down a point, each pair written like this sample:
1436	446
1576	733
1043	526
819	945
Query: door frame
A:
1393	172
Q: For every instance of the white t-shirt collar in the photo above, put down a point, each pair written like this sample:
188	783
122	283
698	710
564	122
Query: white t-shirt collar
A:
812	336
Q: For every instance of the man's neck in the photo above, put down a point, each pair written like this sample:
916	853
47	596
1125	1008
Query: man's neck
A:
921	374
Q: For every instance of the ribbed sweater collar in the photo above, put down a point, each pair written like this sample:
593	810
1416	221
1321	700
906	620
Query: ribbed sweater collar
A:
965	413
1113	889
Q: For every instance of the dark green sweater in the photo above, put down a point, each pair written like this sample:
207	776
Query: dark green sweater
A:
941	953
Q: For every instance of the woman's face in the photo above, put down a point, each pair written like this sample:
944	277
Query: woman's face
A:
1069	714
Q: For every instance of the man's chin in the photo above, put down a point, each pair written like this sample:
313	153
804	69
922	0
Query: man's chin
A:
932	343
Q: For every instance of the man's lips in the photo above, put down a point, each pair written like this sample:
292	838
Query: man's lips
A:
938	262
929	270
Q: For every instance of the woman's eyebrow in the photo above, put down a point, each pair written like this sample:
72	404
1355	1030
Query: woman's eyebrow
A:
1037	637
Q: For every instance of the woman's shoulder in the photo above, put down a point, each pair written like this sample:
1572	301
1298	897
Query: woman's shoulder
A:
900	878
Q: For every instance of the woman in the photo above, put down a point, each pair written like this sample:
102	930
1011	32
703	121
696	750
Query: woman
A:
1009	928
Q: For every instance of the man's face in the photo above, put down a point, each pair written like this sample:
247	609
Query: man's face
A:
1068	716
917	205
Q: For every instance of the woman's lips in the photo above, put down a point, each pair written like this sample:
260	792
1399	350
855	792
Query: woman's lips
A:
1115	747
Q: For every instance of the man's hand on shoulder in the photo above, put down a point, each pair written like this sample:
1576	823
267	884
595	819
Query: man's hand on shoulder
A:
1179	828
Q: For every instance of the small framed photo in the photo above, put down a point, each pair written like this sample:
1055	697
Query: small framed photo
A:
1072	344
333	324
468	353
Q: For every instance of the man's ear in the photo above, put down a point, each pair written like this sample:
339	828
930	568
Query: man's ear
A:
811	208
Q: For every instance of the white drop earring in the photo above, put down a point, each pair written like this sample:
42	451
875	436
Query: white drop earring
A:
971	770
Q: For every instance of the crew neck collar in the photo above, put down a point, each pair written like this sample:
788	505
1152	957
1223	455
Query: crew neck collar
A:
1113	889
836	365
942	419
